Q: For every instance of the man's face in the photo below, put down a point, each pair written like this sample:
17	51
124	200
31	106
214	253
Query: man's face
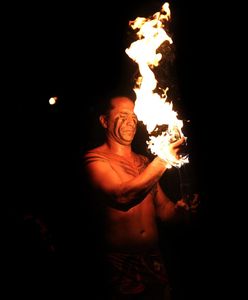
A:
122	122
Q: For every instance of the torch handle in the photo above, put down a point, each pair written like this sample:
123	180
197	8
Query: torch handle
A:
185	184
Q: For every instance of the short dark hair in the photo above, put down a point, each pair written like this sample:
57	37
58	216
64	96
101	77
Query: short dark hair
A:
104	103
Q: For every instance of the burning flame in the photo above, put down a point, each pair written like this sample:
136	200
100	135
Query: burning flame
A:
151	108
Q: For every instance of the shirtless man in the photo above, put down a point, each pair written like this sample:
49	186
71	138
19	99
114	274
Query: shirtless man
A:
130	199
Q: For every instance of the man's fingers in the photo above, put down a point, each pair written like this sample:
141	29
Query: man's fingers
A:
178	142
181	204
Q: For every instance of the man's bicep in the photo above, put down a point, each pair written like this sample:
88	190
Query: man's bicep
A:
102	176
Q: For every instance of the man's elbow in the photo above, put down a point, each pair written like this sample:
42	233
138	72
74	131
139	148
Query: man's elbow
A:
124	201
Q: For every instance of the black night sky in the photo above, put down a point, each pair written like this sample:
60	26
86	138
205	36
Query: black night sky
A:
77	53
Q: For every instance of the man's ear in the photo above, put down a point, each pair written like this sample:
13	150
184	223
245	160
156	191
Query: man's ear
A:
103	121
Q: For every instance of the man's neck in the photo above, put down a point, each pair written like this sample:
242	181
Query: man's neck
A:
119	149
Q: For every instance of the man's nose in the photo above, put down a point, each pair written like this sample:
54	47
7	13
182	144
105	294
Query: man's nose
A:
131	121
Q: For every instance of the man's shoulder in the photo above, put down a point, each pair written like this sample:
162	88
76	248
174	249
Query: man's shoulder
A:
90	151
95	154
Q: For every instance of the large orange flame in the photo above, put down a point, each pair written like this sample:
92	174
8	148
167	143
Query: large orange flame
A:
151	108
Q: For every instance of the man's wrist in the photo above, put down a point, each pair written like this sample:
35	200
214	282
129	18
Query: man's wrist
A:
160	162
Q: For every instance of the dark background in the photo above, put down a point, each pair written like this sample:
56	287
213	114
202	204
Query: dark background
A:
76	52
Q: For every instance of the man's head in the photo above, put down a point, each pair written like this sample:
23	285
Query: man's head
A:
119	120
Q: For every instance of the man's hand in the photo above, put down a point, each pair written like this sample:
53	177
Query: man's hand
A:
175	147
188	204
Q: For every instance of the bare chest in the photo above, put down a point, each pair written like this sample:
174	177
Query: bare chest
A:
126	169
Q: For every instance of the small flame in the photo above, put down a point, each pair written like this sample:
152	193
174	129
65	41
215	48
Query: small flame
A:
151	108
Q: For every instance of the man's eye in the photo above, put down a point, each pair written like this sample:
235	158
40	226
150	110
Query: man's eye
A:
135	119
125	116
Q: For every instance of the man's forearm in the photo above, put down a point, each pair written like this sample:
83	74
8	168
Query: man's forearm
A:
132	192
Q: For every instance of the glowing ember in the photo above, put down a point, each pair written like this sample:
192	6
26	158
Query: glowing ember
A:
151	108
53	100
